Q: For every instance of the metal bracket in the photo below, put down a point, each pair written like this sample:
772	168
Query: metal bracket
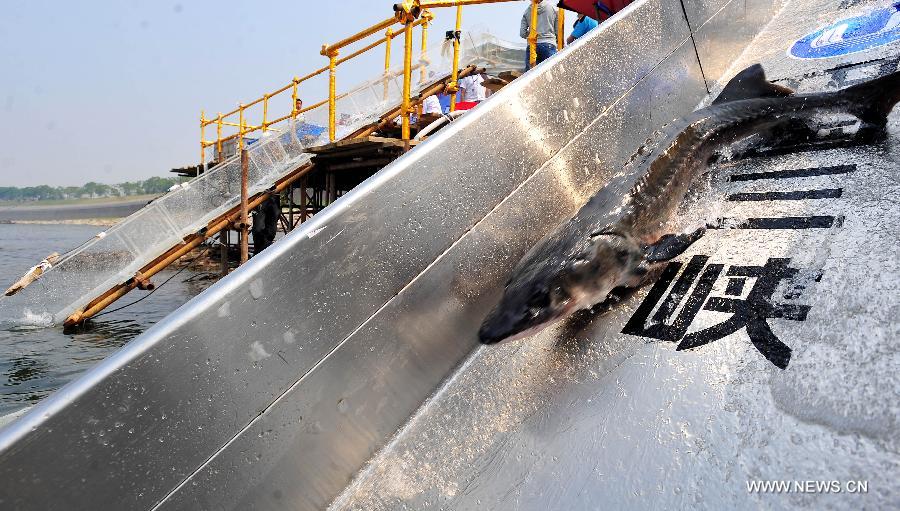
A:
143	283
408	11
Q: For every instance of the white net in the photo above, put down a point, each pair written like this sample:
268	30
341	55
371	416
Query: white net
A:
114	256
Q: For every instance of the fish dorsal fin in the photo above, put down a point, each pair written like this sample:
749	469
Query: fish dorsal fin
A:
751	83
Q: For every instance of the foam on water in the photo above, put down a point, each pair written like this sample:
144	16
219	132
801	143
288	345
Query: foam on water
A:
35	320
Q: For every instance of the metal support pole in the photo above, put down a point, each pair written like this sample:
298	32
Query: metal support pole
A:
294	108
219	137
407	77
423	56
532	35
561	29
245	222
265	112
332	105
202	138
241	127
388	37
333	48
433	4
454	80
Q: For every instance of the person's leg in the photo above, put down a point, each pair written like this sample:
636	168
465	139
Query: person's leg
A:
264	242
527	57
545	51
259	242
551	50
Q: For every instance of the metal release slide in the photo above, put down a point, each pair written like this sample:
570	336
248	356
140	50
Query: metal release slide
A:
354	339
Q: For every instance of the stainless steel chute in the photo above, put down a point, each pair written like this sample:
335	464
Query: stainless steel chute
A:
342	363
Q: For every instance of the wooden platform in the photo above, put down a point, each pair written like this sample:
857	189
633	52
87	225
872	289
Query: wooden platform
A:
365	153
495	83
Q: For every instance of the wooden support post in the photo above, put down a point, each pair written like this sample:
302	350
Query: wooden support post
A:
330	187
223	251
290	195
303	199
245	223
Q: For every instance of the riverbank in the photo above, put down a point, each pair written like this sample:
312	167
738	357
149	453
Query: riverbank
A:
100	222
86	211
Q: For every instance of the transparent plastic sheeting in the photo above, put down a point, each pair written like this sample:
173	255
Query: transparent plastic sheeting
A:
114	256
493	54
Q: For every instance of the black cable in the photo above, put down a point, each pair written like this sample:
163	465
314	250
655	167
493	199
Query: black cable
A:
201	254
199	275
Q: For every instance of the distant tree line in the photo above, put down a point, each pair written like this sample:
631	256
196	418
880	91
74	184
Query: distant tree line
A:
92	190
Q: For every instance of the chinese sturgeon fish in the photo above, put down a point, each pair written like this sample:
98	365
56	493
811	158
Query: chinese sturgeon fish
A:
616	238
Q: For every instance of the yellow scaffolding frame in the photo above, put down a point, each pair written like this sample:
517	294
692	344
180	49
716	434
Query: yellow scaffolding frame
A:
410	14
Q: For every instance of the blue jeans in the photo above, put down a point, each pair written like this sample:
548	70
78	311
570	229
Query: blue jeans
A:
544	51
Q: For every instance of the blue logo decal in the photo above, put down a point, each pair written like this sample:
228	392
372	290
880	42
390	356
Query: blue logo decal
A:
851	35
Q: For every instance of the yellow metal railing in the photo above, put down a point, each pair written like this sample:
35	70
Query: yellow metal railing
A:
226	120
409	14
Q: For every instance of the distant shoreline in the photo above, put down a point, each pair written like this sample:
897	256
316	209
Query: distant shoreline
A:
92	212
76	202
100	222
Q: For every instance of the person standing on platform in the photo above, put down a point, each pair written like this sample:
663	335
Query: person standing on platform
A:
265	222
582	26
547	17
432	105
472	88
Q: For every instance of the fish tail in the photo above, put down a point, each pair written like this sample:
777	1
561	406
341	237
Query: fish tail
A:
873	100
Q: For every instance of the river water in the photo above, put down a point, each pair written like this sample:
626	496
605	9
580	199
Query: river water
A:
35	361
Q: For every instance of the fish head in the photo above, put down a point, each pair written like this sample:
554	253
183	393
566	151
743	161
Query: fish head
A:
527	306
542	291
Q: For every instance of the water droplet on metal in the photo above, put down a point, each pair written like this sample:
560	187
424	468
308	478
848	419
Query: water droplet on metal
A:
256	289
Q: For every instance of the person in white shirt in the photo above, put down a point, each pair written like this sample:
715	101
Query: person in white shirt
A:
432	105
472	88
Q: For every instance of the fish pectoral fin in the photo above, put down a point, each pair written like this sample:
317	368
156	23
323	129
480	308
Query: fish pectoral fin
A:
749	84
670	246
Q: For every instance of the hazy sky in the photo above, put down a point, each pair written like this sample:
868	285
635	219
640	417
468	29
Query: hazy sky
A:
111	91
